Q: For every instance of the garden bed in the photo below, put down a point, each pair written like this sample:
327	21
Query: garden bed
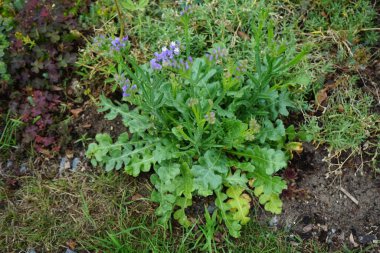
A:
63	108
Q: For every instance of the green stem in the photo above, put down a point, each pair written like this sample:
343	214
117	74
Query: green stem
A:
120	17
187	36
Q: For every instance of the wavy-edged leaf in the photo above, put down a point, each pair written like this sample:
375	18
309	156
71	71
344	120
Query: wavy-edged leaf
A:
235	133
134	156
165	183
233	226
272	202
135	122
180	214
209	173
238	204
237	179
269	132
267	159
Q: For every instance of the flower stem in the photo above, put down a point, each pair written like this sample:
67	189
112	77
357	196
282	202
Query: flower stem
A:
120	17
187	36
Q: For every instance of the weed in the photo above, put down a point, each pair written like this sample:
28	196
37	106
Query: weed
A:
9	132
83	139
36	112
195	119
43	44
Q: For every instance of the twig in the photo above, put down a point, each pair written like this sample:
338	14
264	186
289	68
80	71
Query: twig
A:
349	195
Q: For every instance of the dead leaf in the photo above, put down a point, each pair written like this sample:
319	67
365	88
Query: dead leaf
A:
56	88
243	35
71	244
76	112
46	152
322	94
352	241
13	184
69	153
137	196
321	97
250	182
218	237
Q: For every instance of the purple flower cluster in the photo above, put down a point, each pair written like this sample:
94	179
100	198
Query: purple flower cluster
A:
128	88
242	66
125	84
186	10
117	43
217	54
168	58
210	117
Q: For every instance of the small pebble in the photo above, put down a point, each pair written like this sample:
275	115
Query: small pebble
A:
367	239
9	164
273	222
211	208
62	165
31	251
341	237
69	251
308	228
74	164
23	168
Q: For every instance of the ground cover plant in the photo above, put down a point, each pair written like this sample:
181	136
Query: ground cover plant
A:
41	39
42	45
189	126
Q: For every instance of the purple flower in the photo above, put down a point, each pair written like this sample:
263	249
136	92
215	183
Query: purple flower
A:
168	58
154	64
173	45
186	10
118	43
217	54
125	88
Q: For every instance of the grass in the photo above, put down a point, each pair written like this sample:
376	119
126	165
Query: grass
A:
347	120
98	213
8	134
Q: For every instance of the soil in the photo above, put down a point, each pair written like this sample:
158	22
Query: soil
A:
91	122
325	212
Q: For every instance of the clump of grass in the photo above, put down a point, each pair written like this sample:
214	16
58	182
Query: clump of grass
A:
8	132
44	214
347	120
346	18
